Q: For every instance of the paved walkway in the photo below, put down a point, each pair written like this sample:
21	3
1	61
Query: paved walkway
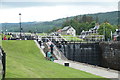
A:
91	69
88	68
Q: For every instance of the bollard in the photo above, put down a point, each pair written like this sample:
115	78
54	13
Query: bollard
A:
66	64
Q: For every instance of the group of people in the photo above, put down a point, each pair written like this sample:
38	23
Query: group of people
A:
49	53
4	38
49	56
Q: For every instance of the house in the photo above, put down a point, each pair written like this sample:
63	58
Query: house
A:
91	31
68	30
92	34
116	35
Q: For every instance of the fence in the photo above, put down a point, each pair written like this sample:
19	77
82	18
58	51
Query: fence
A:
3	60
56	52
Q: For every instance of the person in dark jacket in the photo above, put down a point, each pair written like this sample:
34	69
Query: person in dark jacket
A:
51	47
46	53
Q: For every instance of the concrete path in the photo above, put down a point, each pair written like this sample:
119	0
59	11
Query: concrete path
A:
90	69
39	48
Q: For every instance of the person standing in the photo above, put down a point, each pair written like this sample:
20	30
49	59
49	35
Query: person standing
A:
51	47
40	43
4	38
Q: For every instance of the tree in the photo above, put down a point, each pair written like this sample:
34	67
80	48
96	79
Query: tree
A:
66	22
54	29
92	24
97	19
76	18
80	23
119	26
89	19
30	31
105	29
84	18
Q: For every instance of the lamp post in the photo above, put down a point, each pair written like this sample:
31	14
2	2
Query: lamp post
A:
6	31
36	33
20	24
104	31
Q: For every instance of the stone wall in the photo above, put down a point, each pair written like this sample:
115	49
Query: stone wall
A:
105	54
110	54
82	52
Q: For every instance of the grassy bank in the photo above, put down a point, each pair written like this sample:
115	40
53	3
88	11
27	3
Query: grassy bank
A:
24	60
71	38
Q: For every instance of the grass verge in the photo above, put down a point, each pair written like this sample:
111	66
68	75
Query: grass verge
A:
24	60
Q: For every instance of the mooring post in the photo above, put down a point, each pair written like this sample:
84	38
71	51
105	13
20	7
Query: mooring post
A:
64	48
74	51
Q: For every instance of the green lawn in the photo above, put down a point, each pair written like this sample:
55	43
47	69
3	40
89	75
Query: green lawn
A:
24	60
71	38
7	36
42	34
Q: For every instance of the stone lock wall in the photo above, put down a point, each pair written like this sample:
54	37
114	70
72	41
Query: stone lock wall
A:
105	54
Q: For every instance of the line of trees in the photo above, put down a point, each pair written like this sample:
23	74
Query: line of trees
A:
80	23
86	22
106	29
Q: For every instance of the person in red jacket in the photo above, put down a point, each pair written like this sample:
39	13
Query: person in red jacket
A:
4	38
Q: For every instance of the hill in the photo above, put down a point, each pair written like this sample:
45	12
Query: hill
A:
111	17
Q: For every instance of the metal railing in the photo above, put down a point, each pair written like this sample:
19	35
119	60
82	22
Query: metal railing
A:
59	55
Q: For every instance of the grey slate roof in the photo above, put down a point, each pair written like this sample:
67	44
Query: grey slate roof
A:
96	27
66	28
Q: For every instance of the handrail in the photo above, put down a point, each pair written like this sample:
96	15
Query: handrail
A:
56	52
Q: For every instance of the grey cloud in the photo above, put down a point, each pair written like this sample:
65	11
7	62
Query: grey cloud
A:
31	4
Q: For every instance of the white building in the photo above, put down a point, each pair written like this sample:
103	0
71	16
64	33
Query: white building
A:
92	34
91	31
116	35
68	30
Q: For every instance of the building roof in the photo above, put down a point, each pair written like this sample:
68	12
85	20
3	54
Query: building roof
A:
96	27
59	30
66	28
117	32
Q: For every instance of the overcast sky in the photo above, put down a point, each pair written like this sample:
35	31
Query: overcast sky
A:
48	10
